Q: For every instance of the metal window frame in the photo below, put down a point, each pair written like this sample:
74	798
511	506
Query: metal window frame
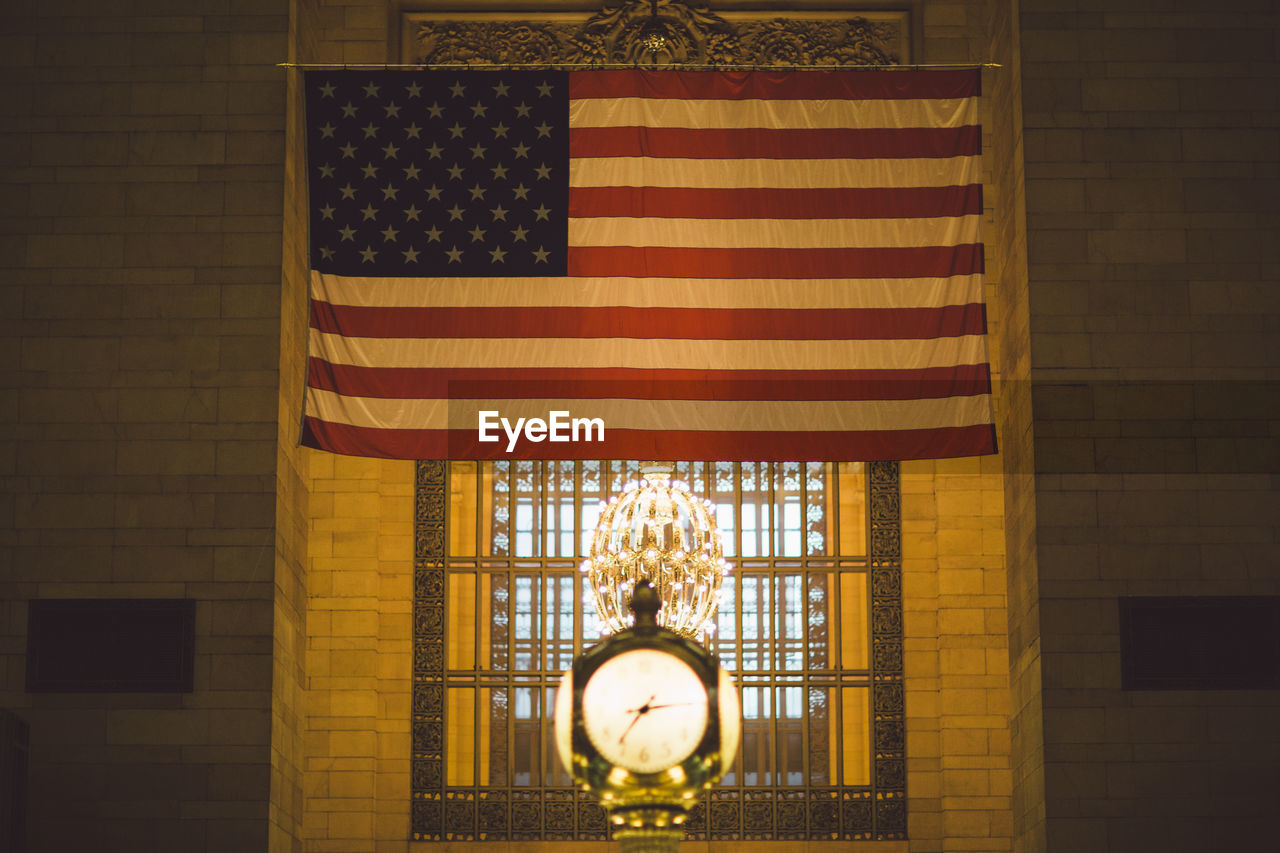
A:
441	812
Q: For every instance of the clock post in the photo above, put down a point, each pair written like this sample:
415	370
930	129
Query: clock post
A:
647	720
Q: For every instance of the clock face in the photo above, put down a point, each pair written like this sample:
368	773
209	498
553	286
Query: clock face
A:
645	710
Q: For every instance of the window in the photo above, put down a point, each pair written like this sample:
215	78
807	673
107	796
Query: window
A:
795	627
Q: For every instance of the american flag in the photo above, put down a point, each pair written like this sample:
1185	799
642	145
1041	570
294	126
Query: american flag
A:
717	265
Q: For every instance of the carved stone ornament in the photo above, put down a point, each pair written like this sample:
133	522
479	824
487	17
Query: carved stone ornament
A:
656	32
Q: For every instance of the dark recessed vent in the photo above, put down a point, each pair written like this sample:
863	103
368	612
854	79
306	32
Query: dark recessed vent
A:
1194	643
110	645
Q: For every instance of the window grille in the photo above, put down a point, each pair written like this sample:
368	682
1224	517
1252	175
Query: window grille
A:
809	624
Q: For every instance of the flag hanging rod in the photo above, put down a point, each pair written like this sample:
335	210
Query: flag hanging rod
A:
515	66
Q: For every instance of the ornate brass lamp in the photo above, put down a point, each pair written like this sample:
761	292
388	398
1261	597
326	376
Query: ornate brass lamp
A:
657	531
646	720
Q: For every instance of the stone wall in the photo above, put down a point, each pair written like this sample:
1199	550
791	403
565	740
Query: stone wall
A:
1152	179
141	148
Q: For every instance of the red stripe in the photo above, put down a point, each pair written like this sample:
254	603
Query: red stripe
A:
781	85
775	203
723	324
656	262
816	143
940	443
631	384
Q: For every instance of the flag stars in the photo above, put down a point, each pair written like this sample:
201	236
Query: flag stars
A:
411	213
499	213
410	255
435	110
326	253
326	171
326	212
499	172
500	131
326	91
455	172
500	90
413	131
433	234
540	255
477	151
455	132
390	151
544	172
433	193
369	211
368	254
413	89
522	111
371	91
326	132
477	234
542	212
411	172
349	110
544	130
348	151
347	232
389	193
498	255
370	130
519	233
522	151
393	110
455	255
477	192
521	192
544	90
455	214
389	234
478	110
370	170
457	89
434	152
348	192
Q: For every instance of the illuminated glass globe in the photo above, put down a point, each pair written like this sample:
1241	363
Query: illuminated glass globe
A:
658	531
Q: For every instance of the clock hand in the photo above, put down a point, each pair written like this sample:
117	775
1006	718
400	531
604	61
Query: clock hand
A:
639	712
671	705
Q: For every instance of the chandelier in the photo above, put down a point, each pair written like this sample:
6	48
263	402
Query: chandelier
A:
656	530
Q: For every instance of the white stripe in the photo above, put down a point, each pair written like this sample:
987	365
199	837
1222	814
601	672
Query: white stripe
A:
649	354
775	233
783	114
646	292
748	416
786	174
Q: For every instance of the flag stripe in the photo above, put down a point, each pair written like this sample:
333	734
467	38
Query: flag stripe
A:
650	354
673	323
698	415
775	263
625	383
775	85
643	292
792	445
843	143
788	234
771	115
772	203
787	174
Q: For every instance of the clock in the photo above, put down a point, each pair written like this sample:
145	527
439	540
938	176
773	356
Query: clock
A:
645	710
647	720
